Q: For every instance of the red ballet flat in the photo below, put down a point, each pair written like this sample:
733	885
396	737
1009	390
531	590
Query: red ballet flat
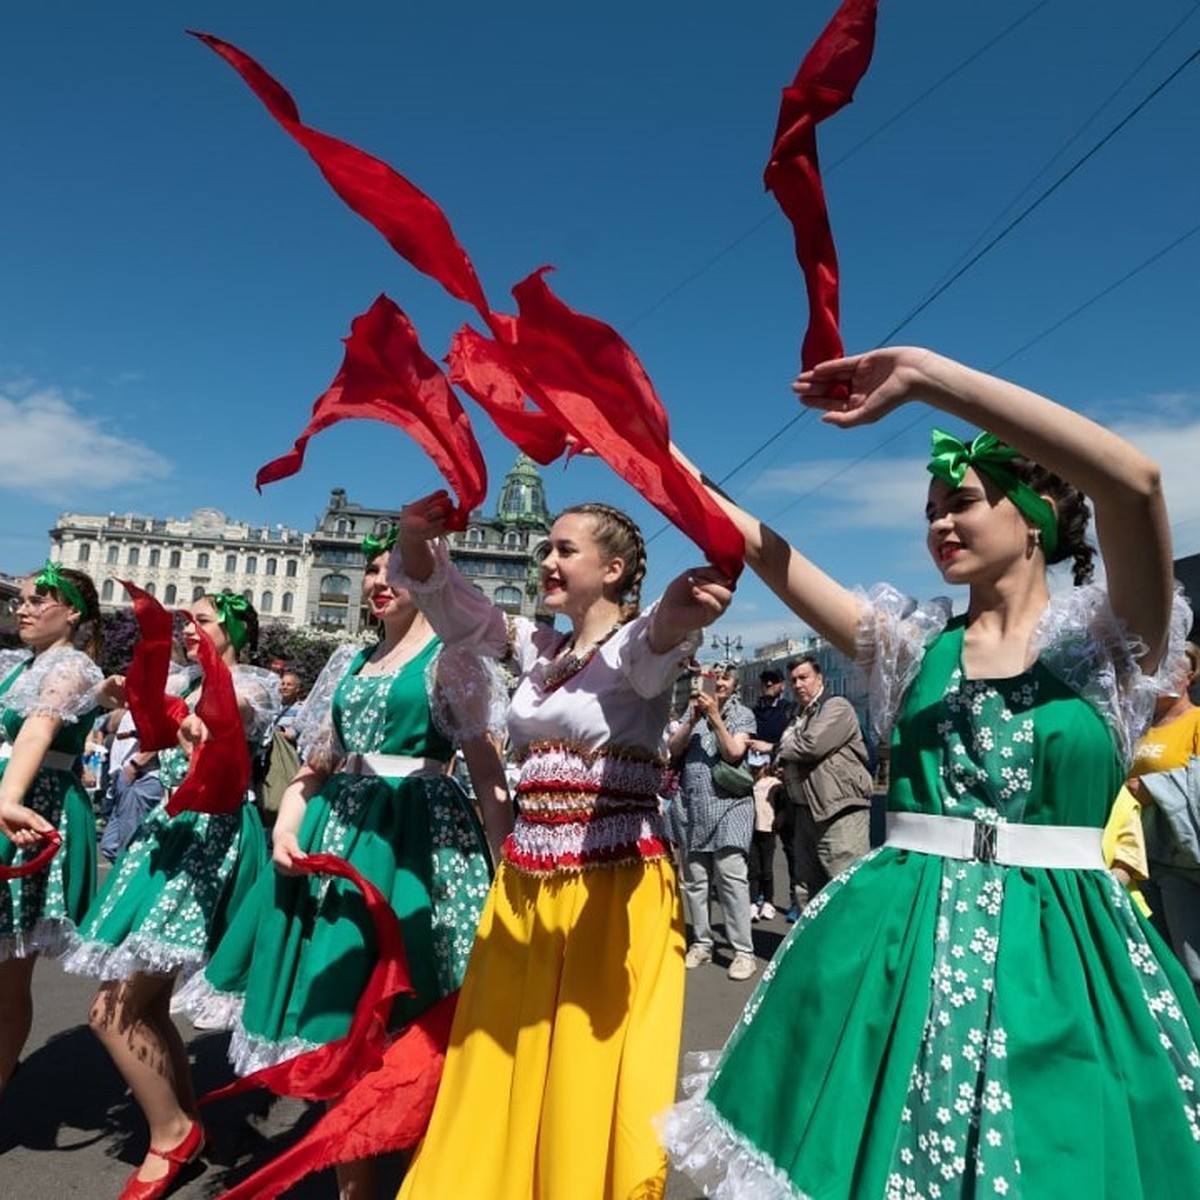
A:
177	1158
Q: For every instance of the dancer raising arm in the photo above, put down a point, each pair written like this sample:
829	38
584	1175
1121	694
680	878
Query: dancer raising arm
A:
46	709
567	1031
973	1001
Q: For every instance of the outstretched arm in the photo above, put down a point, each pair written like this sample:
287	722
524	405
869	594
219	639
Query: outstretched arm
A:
1124	486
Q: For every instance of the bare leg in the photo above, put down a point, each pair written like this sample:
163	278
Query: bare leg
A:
356	1180
131	1018
16	1012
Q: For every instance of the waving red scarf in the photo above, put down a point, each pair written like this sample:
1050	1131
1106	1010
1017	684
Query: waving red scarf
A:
412	224
219	772
583	372
39	862
825	83
386	376
156	716
387	1090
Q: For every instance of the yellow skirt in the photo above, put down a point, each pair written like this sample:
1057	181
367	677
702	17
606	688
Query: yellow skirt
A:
565	1042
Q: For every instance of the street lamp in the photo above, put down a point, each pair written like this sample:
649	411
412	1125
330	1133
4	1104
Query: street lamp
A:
731	646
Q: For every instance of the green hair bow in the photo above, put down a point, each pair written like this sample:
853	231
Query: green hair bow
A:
231	609
990	456
373	547
51	576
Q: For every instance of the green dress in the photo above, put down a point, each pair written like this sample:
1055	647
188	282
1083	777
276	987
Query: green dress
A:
289	973
937	1027
39	914
172	891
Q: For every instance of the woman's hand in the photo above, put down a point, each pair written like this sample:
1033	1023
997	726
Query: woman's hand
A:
192	732
22	826
863	388
111	693
425	519
706	706
285	851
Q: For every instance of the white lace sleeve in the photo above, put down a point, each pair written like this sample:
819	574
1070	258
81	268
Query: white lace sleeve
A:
316	738
459	612
893	634
180	678
649	672
10	660
466	695
1080	639
257	688
59	683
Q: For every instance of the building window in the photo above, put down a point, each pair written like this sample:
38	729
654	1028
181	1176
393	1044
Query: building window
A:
474	536
328	615
170	594
343	526
512	540
84	552
291	568
197	592
106	591
508	597
252	564
155	557
248	595
113	551
268	601
270	566
151	590
175	559
287	601
230	563
335	587
202	561
132	557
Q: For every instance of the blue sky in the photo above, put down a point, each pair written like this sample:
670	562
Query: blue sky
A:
177	275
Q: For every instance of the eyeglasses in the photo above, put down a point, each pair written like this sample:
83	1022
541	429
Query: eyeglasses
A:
33	603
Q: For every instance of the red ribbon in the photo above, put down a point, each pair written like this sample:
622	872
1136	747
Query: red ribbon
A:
219	773
387	1090
386	375
156	716
39	862
825	83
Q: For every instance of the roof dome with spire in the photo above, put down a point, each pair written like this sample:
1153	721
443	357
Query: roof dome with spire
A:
522	496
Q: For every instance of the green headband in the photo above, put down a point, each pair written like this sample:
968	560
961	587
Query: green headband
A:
990	456
230	613
51	576
373	547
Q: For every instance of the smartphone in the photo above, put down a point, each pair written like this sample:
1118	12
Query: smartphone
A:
708	684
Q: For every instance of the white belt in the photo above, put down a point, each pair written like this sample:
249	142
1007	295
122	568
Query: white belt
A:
1075	847
58	760
392	766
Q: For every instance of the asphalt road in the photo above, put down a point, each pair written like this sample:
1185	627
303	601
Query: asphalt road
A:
68	1128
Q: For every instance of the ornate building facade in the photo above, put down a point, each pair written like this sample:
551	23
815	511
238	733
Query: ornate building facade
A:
296	577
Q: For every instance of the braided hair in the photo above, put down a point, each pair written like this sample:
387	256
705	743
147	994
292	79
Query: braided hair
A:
89	633
1073	511
619	537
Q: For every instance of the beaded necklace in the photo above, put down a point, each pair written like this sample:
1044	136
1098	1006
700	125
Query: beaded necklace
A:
569	663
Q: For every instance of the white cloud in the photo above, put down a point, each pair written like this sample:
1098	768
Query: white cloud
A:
52	450
1175	446
881	493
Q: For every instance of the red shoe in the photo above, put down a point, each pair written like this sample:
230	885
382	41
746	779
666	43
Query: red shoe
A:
177	1158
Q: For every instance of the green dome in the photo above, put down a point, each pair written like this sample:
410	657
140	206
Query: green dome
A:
522	496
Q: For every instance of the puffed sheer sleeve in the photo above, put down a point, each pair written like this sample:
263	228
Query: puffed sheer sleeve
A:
59	683
650	673
1083	642
459	612
10	660
317	740
467	696
893	634
258	692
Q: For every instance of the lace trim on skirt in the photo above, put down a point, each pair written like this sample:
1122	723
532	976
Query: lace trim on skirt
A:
51	937
135	955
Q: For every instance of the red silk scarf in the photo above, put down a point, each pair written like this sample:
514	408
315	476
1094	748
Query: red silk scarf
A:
39	862
825	83
386	375
156	716
386	1090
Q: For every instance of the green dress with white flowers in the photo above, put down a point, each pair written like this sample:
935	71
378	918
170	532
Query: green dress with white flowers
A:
172	891
940	1028
39	913
289	974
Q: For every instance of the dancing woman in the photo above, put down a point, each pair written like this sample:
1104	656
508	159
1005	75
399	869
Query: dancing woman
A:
376	736
567	1030
166	902
976	1008
46	709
